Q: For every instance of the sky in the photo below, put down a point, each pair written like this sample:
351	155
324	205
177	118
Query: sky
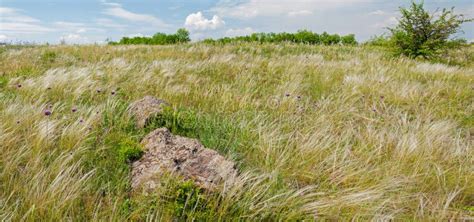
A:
95	21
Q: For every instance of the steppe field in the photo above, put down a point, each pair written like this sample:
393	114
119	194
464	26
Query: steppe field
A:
317	132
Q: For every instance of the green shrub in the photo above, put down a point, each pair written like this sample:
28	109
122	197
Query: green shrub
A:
181	36
48	57
302	36
378	40
420	33
129	150
187	200
348	40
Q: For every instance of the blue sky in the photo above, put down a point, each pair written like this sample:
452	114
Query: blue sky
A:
90	21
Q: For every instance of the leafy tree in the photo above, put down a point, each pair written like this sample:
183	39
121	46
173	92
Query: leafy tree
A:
305	36
302	36
349	39
420	33
182	35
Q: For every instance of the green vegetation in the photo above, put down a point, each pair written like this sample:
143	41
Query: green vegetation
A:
425	34
302	36
318	132
181	36
129	150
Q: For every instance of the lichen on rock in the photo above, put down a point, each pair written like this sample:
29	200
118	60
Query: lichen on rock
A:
165	152
144	109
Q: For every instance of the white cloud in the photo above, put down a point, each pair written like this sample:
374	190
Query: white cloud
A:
377	12
63	24
23	28
254	8
13	21
3	38
137	35
390	21
239	32
75	27
197	21
300	13
109	23
116	10
74	39
15	15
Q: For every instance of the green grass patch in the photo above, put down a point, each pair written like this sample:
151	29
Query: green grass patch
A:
212	130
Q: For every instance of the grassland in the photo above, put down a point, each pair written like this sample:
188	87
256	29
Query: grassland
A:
318	132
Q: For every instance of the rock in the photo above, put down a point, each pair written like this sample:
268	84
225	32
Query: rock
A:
165	152
146	108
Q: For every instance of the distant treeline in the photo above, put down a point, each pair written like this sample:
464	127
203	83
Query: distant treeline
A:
181	36
302	36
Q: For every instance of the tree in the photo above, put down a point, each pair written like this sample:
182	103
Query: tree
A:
349	39
182	35
420	33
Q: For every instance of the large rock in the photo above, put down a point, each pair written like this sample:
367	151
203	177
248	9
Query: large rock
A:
165	152
146	108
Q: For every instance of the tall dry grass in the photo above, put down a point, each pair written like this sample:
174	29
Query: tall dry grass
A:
318	132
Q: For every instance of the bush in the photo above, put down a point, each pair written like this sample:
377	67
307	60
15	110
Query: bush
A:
181	36
348	40
188	201
48	57
420	33
302	36
129	150
380	40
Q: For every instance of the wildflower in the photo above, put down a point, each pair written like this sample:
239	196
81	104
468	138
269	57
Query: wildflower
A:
287	94
48	88
18	85
18	122
98	90
81	120
382	97
74	109
113	92
47	112
298	97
